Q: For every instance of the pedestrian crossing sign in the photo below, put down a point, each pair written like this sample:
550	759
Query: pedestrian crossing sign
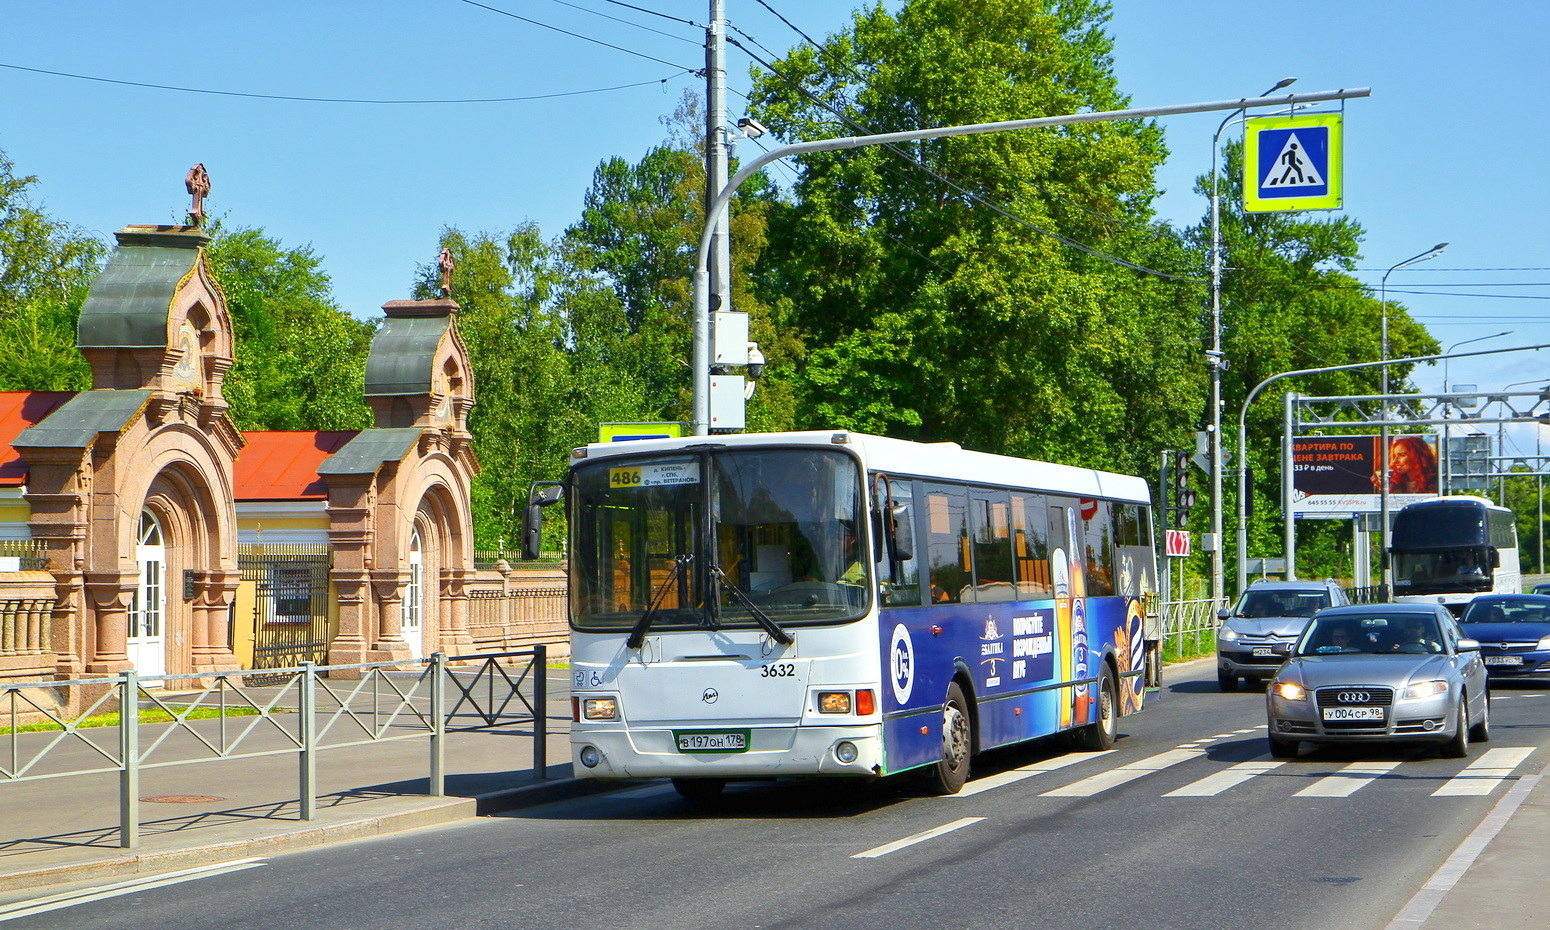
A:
1292	163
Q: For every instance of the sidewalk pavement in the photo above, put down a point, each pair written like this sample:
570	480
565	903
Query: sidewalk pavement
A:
58	832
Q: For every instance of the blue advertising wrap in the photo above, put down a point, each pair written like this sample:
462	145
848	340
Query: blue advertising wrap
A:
1009	651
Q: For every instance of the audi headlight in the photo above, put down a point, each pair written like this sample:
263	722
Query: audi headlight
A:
1422	690
1290	690
1227	634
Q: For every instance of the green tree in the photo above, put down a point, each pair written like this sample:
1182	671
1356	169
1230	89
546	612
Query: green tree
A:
300	360
520	424
46	267
966	288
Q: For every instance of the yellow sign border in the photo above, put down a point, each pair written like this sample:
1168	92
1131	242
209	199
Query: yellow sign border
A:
1334	173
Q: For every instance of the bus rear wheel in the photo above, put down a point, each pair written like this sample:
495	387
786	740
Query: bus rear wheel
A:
1099	735
950	772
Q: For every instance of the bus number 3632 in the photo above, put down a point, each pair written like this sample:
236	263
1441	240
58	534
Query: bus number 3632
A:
778	670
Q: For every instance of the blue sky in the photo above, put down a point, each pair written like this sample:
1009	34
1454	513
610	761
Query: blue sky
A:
1451	146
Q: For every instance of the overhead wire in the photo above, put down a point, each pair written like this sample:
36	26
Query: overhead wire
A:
618	19
577	35
353	100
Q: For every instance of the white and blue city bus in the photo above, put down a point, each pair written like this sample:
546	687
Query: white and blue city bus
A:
832	603
1450	550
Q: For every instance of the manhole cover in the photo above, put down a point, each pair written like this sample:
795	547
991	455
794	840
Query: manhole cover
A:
183	799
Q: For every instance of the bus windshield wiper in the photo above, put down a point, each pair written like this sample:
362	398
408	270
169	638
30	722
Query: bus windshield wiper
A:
638	633
770	626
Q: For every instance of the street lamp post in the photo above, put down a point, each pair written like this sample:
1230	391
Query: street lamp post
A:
1383	448
1447	410
1215	355
701	282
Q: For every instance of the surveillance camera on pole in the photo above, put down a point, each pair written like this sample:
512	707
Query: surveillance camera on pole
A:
751	127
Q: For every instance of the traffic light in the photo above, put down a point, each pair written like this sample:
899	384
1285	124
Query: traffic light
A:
1183	497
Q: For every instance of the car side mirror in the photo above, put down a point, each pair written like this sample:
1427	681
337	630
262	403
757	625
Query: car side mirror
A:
1223	613
1468	645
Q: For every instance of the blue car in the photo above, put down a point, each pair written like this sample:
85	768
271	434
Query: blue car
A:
1514	634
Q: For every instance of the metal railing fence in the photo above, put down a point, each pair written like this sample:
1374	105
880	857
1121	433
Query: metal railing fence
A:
295	711
1189	627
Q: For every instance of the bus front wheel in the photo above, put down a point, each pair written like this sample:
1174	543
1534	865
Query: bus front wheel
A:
950	772
699	790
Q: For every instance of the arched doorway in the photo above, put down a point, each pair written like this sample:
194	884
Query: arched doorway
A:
412	610
146	642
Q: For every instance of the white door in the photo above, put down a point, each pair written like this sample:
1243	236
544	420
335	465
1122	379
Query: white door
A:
412	614
146	643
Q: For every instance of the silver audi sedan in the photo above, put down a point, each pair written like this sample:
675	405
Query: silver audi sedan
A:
1391	672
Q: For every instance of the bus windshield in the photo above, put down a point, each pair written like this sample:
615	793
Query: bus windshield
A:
783	540
1461	569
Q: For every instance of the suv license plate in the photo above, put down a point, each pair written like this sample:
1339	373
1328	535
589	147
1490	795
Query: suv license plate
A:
1353	713
736	741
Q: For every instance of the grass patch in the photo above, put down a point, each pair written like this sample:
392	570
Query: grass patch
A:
150	715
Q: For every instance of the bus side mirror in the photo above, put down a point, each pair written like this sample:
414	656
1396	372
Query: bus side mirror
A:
1496	558
901	536
542	494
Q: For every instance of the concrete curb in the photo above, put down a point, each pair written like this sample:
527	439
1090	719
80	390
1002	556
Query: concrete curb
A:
412	814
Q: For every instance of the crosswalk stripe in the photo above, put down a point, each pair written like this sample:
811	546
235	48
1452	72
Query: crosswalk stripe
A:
920	837
1345	782
1028	771
1113	778
1482	776
1215	784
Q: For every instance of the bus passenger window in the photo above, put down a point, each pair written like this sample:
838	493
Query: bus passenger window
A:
992	548
1097	548
1030	547
947	543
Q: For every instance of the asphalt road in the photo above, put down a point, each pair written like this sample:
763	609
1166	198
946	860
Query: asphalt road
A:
1186	823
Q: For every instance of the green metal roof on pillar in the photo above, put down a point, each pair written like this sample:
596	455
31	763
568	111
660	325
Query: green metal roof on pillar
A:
369	450
403	354
128	303
77	423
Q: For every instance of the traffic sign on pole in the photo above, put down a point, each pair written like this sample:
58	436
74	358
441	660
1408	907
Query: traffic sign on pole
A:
1292	163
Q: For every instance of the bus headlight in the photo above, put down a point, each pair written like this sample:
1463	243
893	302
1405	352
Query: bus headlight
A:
846	752
590	757
602	708
834	702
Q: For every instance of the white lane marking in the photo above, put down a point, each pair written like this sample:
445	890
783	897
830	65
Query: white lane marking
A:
66	899
1113	778
1482	776
1345	782
1448	874
1028	771
921	837
1213	785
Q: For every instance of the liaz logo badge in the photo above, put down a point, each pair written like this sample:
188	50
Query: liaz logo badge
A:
901	664
710	695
